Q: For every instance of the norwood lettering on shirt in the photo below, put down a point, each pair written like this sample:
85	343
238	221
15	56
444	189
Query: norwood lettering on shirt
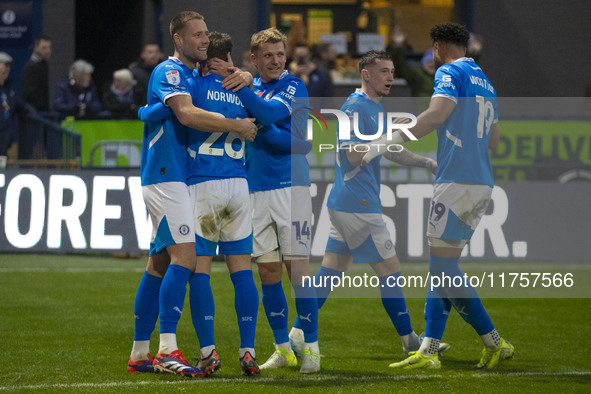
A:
223	96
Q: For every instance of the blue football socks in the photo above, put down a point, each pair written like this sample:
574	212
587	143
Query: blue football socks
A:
323	276
307	309
394	303
464	297
202	308
275	305
172	297
145	308
246	302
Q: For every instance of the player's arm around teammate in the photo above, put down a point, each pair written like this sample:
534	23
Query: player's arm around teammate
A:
163	170
191	45
358	232
464	110
281	230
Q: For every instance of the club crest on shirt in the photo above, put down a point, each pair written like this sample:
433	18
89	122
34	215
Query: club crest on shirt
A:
173	77
184	229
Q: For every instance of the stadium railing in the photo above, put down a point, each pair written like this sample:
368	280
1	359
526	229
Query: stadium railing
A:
44	143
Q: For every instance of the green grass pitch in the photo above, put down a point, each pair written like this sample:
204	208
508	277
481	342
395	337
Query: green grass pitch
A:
66	325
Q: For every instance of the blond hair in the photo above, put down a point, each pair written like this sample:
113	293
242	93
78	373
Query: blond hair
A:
271	36
179	22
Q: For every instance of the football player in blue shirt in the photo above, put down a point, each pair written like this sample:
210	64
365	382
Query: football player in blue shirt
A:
280	198
221	207
464	111
163	173
358	232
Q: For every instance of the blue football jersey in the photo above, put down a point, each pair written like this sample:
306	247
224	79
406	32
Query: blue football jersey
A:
215	155
357	189
462	147
164	150
267	167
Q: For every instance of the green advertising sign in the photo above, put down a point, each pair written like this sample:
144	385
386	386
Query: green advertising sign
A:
546	144
525	146
109	143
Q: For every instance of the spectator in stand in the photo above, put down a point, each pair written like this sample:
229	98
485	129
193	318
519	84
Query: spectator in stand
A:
420	79
35	76
123	98
10	104
474	49
326	55
142	68
317	80
297	36
77	96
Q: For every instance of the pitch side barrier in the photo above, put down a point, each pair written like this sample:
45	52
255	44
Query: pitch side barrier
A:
542	139
83	211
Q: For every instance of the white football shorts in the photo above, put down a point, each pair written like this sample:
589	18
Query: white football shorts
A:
171	210
456	210
222	217
282	218
364	236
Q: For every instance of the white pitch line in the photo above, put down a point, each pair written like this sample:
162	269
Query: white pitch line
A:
212	381
497	374
76	270
283	380
71	270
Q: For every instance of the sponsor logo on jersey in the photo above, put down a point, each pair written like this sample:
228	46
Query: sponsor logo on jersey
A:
446	83
184	229
173	77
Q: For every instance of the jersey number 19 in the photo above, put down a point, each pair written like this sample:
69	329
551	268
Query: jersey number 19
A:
486	115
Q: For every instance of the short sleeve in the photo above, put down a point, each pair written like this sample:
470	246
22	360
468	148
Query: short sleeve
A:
446	83
170	81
